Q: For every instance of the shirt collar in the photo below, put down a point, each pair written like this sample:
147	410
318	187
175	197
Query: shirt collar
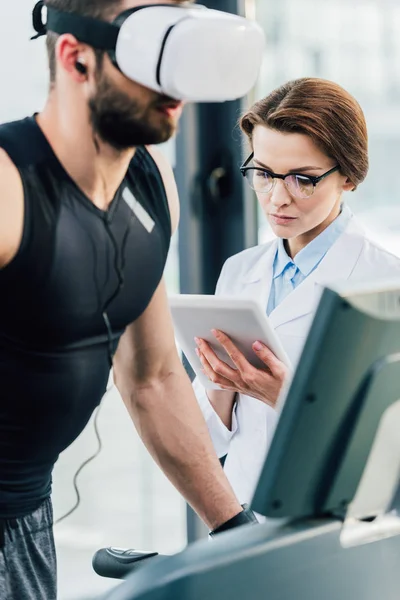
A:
311	255
282	260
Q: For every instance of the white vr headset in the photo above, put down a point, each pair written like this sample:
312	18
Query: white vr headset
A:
187	52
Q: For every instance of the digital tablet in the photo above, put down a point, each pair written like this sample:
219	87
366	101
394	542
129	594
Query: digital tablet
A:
242	319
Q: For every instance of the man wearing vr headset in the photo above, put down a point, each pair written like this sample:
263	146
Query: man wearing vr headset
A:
86	215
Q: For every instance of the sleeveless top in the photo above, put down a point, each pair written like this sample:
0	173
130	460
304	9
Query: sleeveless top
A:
80	277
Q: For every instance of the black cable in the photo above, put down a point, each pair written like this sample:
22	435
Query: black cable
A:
119	268
83	466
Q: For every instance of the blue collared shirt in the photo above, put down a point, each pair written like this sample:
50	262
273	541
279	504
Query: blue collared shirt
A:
288	273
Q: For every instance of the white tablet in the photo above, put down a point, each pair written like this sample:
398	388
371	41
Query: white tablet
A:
242	319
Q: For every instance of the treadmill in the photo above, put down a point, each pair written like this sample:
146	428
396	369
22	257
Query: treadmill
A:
329	485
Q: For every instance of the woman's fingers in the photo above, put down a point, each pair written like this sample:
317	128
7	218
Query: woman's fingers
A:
218	365
276	366
234	354
263	384
212	374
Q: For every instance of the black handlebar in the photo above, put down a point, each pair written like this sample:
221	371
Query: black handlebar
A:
117	563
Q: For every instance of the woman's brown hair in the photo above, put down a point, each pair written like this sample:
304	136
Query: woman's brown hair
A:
325	112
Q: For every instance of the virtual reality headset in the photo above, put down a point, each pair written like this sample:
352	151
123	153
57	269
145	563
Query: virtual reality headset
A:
187	52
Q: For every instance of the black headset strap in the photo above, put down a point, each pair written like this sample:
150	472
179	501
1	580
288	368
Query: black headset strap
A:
98	34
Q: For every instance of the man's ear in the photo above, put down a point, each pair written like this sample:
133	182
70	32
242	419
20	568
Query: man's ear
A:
73	57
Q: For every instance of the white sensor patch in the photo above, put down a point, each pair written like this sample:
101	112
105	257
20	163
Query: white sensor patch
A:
138	210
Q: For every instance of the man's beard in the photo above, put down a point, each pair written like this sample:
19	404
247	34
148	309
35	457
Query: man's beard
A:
122	122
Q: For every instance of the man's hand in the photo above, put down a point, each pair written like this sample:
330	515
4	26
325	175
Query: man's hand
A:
246	517
262	384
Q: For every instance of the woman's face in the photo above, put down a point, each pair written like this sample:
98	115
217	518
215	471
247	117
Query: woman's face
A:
294	218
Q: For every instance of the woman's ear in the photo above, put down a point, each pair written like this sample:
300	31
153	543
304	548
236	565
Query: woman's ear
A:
348	186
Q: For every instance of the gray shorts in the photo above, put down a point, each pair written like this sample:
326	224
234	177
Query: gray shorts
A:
28	567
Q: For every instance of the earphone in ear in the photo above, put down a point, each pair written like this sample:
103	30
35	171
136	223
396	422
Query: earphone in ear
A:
80	67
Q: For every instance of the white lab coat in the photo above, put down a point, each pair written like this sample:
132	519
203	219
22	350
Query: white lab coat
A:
353	257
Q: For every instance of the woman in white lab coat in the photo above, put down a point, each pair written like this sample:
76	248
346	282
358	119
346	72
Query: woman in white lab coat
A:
308	146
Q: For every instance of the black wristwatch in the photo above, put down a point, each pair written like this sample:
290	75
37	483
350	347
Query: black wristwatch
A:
246	517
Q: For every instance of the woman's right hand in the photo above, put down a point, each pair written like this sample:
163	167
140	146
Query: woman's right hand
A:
264	384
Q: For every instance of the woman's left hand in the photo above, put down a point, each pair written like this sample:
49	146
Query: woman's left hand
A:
263	384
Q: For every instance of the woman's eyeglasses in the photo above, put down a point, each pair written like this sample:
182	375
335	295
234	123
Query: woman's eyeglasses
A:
299	186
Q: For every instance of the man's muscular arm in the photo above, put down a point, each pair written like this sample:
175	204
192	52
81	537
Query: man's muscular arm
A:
161	401
11	210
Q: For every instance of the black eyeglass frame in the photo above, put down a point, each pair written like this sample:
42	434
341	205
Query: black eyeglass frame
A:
314	179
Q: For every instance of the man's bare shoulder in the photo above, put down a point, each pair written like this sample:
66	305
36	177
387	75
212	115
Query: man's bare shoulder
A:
167	175
9	172
11	209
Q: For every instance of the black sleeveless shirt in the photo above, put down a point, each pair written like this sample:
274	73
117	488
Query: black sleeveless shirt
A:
75	262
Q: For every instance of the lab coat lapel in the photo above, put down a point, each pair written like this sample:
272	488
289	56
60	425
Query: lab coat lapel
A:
298	303
337	265
340	261
258	281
